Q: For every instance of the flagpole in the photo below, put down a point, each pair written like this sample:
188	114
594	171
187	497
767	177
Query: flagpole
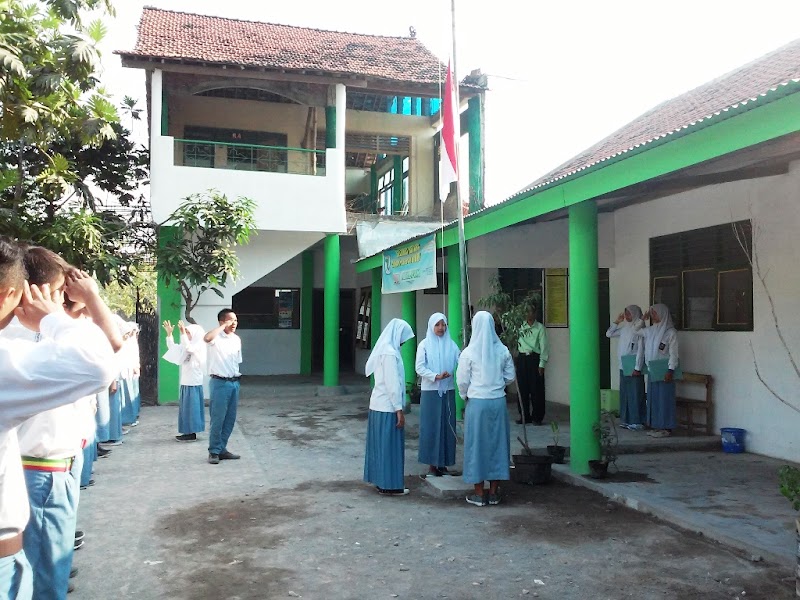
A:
462	243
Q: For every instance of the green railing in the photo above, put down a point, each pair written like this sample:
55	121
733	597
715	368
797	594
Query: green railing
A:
249	157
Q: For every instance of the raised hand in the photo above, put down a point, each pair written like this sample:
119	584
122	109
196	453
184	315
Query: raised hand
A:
81	287
38	302
168	328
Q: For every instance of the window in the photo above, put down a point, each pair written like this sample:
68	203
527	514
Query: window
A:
364	325
267	308
244	150
704	277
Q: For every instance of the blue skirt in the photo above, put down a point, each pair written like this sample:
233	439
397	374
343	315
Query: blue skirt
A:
632	406
115	414
102	416
384	460
191	412
487	453
127	401
661	404
437	428
137	398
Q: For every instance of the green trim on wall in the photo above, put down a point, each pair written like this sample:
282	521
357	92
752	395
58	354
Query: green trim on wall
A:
306	312
476	157
330	127
169	308
742	127
330	362
377	305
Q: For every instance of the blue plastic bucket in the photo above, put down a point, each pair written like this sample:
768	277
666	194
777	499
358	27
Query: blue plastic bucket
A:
732	440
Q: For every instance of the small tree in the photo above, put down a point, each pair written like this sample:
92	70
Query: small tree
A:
201	255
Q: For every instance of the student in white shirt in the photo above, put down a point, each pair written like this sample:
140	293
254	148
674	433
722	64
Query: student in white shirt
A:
484	370
190	356
632	407
384	459
70	361
224	358
437	357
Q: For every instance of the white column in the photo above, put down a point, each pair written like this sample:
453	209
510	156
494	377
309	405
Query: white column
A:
156	101
341	110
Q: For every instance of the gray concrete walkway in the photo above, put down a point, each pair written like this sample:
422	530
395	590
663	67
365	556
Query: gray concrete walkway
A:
292	518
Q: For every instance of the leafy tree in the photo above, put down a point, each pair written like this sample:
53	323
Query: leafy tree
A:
200	254
510	314
123	299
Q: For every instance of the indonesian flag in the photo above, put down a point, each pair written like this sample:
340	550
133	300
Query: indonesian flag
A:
448	165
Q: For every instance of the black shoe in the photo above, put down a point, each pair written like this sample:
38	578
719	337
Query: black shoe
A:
70	587
102	452
225	455
79	535
73	572
90	484
213	459
78	545
186	437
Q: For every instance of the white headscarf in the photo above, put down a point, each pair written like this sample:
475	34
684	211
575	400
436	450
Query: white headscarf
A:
627	337
396	332
486	348
657	331
441	352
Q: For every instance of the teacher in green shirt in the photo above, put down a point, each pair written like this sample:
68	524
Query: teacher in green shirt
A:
534	351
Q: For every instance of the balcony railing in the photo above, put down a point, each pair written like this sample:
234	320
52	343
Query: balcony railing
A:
249	157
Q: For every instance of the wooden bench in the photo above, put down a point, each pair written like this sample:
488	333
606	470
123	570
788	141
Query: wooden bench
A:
687	407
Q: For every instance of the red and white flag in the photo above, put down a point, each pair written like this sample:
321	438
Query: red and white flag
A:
448	165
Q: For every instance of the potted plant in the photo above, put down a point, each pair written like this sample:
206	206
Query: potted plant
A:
556	451
510	315
790	487
606	432
414	391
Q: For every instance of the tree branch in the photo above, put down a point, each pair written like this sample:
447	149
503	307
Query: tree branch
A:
766	385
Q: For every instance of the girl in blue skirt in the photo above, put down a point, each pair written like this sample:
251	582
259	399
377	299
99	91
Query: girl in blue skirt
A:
190	356
632	407
437	357
485	368
660	342
384	459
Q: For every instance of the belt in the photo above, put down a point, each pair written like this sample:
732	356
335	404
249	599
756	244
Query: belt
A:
10	546
226	378
529	353
51	465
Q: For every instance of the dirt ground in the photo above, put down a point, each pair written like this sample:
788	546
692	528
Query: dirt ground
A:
294	519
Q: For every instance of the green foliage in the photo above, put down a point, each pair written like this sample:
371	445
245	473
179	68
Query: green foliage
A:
790	484
201	254
606	433
556	431
121	299
510	313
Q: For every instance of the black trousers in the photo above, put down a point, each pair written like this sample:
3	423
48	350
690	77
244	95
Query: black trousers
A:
531	387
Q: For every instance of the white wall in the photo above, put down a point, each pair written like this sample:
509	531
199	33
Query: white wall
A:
740	400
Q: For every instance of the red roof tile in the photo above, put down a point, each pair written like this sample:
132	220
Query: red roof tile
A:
737	87
217	40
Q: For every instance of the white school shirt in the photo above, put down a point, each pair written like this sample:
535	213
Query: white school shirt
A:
225	355
469	373
55	433
192	370
73	359
668	347
428	377
629	342
385	395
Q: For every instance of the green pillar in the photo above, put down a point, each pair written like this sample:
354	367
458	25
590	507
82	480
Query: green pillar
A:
375	315
330	374
454	318
476	164
306	313
584	333
169	309
330	126
397	186
409	349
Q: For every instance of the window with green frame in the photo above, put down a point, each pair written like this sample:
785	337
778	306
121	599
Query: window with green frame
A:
704	277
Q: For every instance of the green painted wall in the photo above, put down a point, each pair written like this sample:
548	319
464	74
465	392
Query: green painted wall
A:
584	331
330	363
397	186
409	350
377	303
454	314
330	127
476	156
306	312
169	309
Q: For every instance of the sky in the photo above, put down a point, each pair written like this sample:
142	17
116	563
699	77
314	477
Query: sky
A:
562	74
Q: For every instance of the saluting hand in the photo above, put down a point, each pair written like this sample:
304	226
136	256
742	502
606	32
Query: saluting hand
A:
80	286
38	302
168	328
620	318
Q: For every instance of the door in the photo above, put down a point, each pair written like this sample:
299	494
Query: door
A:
347	330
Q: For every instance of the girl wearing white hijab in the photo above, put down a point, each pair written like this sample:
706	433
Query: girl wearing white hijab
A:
660	342
632	407
437	357
384	459
485	368
190	356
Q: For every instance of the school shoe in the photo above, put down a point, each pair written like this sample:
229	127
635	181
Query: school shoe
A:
135	423
126	430
403	492
102	452
90	484
213	459
112	443
225	455
73	572
636	427
70	587
79	535
78	545
476	500
186	437
494	499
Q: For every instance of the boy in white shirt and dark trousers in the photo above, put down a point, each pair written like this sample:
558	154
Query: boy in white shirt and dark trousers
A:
224	358
71	360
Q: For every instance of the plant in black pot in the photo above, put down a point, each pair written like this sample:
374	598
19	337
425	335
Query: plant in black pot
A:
556	451
790	487
606	432
414	391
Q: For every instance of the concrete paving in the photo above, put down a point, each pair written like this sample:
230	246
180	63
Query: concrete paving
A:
292	518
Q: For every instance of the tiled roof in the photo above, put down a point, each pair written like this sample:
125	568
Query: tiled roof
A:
166	34
738	87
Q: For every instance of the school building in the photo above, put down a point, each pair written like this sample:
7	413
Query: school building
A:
694	204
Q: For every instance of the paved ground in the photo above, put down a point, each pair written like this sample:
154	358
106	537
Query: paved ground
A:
293	519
